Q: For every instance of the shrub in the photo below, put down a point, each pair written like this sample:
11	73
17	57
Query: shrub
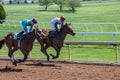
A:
2	14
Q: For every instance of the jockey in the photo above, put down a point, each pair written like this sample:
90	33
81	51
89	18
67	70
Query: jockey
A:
56	22
26	26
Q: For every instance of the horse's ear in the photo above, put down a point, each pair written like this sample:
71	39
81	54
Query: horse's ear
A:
66	24
70	23
36	26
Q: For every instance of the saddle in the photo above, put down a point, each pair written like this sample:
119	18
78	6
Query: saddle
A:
50	33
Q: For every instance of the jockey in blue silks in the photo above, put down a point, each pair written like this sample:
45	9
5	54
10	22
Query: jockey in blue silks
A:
26	26
56	22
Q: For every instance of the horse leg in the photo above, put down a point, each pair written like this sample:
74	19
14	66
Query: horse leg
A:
25	53
57	53
10	54
43	49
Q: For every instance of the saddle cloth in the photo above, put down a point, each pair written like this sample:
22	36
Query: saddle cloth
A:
15	37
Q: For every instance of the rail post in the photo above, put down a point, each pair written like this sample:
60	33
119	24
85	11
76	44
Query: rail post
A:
69	52
117	60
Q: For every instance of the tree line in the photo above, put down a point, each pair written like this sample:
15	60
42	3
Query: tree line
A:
69	3
18	1
72	4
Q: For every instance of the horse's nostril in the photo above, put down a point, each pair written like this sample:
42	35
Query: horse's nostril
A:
73	34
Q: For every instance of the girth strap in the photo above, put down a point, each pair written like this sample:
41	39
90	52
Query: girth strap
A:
19	41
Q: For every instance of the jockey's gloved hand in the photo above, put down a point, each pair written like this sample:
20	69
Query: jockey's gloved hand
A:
58	31
29	33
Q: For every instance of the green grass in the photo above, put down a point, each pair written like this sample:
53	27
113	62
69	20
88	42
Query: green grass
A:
83	53
89	12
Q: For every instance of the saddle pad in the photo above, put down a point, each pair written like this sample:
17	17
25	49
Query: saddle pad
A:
46	32
15	36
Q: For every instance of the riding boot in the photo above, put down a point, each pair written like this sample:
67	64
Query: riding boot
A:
52	34
59	36
20	34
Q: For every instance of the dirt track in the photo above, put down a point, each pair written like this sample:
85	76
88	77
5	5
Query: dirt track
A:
57	71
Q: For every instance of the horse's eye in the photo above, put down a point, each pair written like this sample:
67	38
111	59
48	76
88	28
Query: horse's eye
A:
37	29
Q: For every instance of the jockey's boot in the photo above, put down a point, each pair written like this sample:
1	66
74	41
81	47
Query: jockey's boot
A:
20	34
59	36
52	33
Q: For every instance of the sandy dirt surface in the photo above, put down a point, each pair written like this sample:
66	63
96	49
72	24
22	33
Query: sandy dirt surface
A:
35	70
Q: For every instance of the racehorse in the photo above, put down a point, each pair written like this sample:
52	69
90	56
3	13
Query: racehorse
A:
26	44
56	42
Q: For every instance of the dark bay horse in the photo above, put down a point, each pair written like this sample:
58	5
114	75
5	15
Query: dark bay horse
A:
56	42
25	43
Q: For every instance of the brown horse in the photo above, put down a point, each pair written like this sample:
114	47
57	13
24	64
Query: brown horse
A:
56	42
25	44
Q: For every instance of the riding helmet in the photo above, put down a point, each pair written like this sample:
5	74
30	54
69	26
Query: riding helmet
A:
62	18
34	21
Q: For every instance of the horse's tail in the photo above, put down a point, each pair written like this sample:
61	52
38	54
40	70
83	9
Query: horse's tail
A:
2	43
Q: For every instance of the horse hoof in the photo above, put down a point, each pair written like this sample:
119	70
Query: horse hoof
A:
53	57
19	60
15	63
48	59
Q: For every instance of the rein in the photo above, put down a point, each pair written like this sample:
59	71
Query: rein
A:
37	33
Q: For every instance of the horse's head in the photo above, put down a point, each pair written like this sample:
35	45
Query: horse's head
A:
68	29
38	32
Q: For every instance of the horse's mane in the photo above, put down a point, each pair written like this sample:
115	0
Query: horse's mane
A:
62	27
10	34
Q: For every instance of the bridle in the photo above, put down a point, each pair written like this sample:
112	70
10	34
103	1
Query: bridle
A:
37	33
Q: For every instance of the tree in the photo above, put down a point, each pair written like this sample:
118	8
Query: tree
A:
16	1
32	2
45	3
25	1
73	4
2	14
10	1
60	3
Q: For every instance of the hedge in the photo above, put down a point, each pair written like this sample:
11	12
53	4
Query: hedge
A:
2	14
